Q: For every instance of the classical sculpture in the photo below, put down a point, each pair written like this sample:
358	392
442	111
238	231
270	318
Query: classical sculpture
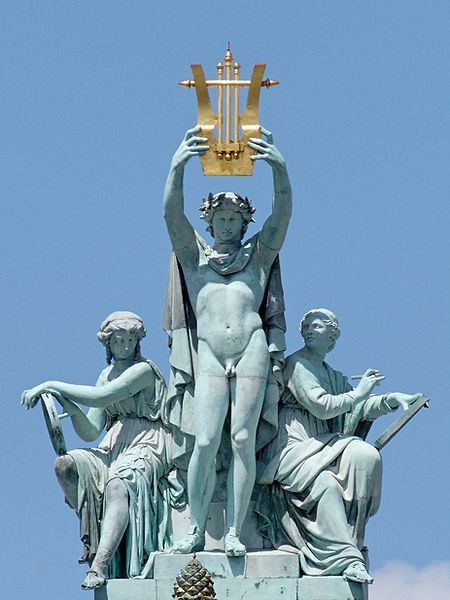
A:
232	295
325	479
120	489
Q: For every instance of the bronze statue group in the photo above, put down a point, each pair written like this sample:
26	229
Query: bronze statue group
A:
295	427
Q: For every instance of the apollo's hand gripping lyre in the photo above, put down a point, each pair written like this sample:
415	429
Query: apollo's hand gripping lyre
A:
228	154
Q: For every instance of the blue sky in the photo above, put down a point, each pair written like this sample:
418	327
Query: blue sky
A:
90	114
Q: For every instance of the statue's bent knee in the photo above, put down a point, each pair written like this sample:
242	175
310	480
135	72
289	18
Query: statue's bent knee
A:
326	482
116	488
65	468
363	455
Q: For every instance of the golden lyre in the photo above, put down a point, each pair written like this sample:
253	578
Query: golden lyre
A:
228	153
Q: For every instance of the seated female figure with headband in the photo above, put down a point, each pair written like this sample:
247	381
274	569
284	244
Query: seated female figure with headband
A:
119	490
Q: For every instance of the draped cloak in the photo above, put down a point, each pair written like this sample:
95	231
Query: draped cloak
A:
181	326
137	450
320	433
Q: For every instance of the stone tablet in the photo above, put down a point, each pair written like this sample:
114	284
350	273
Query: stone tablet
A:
399	423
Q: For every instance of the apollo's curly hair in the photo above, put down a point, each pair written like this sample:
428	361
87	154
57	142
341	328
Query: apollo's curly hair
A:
121	320
330	320
228	200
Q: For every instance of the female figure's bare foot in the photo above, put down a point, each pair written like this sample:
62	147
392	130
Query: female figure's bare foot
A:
94	579
356	571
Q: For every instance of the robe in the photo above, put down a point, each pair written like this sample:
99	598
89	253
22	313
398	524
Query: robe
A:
137	450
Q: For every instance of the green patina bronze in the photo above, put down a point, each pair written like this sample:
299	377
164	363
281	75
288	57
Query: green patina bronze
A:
224	314
235	342
323	480
119	489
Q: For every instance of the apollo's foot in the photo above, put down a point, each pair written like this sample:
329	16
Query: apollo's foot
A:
192	542
232	545
93	579
356	571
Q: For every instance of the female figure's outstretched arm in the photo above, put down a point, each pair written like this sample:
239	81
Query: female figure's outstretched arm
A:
130	382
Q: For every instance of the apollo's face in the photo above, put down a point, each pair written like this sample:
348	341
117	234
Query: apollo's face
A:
227	225
316	335
123	344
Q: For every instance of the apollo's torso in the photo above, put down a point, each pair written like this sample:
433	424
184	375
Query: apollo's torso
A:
227	306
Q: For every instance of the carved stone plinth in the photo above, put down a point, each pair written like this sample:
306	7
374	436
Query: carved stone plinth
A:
263	575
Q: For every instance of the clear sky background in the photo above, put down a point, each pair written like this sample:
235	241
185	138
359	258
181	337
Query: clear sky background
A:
90	115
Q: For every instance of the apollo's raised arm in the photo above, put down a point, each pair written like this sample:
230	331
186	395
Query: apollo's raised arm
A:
179	228
274	229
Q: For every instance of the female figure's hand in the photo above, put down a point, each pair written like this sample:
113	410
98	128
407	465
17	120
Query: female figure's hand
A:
369	380
396	399
30	398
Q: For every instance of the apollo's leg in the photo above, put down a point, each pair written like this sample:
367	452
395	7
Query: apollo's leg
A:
248	389
210	485
211	407
114	525
67	475
212	395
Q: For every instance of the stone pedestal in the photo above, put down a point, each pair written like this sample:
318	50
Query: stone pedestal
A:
215	527
262	575
330	588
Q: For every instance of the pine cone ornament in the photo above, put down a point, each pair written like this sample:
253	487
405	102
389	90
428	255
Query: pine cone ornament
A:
194	583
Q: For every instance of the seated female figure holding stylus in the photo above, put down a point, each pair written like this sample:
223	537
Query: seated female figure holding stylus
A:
325	479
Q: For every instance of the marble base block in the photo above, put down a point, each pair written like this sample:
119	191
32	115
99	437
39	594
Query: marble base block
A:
263	575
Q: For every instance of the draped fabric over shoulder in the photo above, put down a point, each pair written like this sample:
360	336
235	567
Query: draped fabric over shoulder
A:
137	450
180	324
321	481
